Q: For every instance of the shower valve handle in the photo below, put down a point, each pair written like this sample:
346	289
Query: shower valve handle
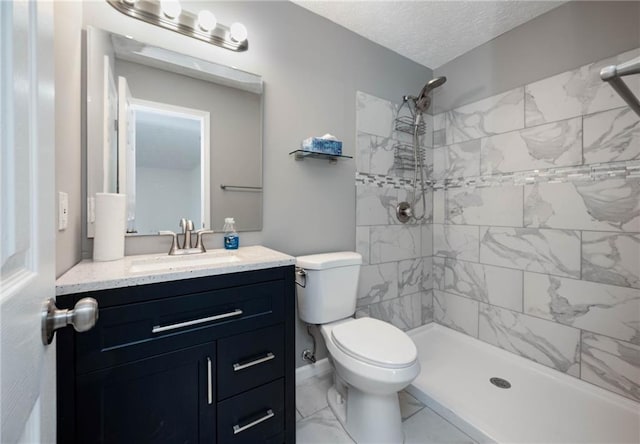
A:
404	212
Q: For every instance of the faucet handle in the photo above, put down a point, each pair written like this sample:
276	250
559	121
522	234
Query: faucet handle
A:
186	224
199	243
174	243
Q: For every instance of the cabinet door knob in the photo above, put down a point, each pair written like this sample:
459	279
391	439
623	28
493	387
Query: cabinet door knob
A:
83	317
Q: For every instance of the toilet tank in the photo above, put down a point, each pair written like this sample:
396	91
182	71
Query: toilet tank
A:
326	286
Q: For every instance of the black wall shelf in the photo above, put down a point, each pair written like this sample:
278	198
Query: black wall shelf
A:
303	154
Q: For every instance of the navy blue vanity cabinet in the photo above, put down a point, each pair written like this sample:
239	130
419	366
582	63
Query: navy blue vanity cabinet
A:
204	360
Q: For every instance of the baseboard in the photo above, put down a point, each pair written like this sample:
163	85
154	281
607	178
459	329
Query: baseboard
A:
321	367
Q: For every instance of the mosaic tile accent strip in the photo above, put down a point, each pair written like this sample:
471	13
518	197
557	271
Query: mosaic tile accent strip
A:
598	172
383	181
617	170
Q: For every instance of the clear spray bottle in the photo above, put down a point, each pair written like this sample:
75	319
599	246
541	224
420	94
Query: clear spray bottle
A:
231	239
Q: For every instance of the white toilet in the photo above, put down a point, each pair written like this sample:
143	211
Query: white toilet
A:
373	359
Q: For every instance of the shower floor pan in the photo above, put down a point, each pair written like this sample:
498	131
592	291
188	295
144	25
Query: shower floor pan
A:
541	406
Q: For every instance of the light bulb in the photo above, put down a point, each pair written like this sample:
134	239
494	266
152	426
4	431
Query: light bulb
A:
238	32
171	8
206	20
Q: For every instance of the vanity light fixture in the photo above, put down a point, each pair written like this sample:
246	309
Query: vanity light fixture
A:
238	32
169	14
207	21
170	8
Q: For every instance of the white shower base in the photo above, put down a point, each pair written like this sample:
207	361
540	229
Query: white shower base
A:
542	406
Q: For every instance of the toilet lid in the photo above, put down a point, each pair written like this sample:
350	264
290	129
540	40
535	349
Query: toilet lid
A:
375	342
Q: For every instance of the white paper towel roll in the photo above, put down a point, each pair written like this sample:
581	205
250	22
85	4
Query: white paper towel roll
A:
110	225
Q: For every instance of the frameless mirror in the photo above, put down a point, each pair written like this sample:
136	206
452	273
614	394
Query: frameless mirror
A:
180	136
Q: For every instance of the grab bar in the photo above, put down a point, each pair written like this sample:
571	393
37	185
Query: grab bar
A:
240	187
612	74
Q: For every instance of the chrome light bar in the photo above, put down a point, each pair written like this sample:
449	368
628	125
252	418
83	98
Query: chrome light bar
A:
185	23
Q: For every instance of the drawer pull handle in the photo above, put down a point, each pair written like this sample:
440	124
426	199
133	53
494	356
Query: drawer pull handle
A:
158	328
237	366
209	383
237	429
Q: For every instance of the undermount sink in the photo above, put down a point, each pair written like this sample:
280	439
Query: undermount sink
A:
165	262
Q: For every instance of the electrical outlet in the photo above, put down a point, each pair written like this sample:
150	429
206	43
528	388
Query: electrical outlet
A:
91	209
63	211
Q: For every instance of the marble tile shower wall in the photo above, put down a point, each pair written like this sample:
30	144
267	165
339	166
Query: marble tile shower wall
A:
547	270
396	278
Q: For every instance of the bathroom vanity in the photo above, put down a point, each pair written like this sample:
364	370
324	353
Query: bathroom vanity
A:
195	353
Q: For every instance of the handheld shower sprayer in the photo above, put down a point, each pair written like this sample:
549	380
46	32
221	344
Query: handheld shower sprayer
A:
421	103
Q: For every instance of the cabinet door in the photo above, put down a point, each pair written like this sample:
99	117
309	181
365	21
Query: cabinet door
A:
168	398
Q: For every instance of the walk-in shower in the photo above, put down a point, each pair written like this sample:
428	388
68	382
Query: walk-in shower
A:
414	124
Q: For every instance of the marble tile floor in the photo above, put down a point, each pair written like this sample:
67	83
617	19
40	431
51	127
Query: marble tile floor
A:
316	423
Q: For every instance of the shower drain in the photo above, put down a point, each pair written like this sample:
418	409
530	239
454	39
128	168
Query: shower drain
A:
500	383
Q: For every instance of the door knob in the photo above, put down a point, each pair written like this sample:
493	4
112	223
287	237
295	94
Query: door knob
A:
83	317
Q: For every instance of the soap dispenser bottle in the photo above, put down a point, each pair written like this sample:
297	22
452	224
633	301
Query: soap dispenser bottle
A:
231	239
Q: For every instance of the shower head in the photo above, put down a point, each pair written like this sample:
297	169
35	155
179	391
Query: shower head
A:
423	101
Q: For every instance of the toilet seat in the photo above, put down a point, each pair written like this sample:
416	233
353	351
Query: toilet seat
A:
375	342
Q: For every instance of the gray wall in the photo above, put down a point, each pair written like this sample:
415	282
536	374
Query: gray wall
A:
312	69
571	35
67	47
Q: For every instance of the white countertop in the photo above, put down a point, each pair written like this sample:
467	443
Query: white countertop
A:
139	270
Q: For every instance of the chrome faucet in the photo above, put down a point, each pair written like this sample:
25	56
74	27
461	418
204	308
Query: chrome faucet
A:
187	228
186	248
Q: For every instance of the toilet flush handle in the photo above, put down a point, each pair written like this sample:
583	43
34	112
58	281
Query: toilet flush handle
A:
300	272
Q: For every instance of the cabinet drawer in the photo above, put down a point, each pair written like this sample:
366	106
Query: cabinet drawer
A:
254	416
249	360
129	332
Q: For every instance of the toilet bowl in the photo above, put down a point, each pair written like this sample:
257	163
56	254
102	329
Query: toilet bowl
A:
373	360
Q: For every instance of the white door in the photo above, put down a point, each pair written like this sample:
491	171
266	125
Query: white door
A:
110	147
27	217
127	150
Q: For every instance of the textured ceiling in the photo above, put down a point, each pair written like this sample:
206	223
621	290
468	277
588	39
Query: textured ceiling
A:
431	33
